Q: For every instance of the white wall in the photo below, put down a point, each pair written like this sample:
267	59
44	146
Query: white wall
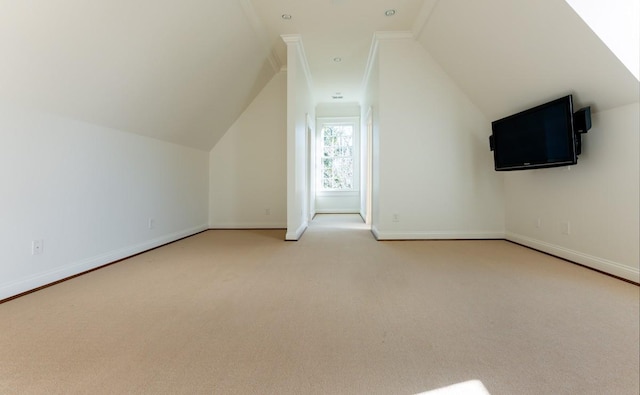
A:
248	165
503	73
300	115
88	192
371	108
435	170
331	110
328	202
598	197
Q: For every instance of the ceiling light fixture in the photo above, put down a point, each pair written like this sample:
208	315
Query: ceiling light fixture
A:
390	12
337	59
286	17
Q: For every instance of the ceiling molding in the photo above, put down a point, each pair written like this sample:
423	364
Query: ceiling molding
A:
296	40
261	32
423	17
373	52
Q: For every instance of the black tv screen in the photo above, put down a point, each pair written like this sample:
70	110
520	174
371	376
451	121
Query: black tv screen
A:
541	136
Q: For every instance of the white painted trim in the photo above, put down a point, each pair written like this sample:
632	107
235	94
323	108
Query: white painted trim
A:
296	39
337	211
295	236
442	235
334	193
605	265
373	52
375	232
317	167
29	283
248	225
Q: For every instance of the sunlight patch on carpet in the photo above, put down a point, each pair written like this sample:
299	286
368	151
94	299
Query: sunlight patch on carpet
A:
471	387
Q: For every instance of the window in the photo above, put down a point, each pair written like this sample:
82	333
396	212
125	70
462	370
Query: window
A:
616	23
337	160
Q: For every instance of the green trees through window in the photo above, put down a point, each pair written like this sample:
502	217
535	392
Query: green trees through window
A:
337	161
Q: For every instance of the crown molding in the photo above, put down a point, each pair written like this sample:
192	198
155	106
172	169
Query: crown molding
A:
373	53
296	41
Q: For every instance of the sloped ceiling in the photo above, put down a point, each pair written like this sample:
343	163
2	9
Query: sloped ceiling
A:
510	55
180	71
183	71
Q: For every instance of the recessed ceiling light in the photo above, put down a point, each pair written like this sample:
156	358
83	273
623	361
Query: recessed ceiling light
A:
337	59
286	17
390	12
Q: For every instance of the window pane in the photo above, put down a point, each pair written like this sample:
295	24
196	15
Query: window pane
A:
337	157
329	152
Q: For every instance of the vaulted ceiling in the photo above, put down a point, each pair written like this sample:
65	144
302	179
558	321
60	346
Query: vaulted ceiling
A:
180	71
183	71
510	55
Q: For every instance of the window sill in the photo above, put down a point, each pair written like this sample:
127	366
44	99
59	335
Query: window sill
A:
338	193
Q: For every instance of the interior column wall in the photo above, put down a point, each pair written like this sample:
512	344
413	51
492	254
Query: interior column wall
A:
435	176
300	114
371	108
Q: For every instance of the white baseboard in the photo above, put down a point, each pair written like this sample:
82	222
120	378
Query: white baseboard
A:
248	225
337	211
602	264
295	235
441	235
34	281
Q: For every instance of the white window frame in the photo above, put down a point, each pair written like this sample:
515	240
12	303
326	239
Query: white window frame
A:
321	122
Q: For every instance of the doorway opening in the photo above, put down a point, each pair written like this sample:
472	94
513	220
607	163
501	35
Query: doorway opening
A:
337	166
338	221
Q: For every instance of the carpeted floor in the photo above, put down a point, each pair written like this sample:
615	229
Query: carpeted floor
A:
243	312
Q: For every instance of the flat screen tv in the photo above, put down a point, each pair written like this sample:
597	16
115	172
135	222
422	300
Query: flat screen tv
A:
542	136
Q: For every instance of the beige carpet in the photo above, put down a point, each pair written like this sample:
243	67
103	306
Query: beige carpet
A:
243	312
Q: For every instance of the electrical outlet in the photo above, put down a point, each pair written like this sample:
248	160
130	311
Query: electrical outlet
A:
539	223
566	227
152	223
267	211
37	247
395	217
